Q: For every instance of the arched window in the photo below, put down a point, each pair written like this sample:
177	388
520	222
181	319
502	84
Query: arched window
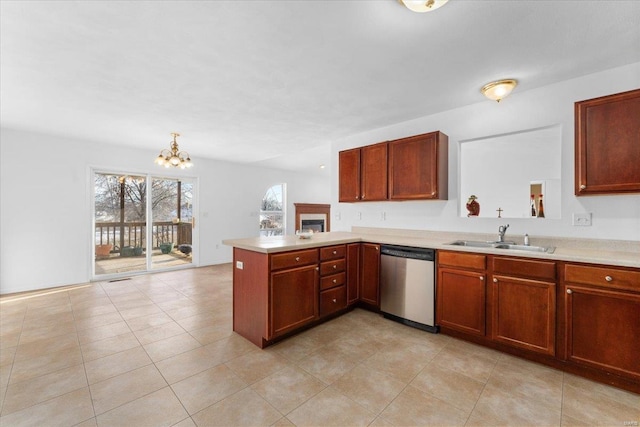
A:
273	211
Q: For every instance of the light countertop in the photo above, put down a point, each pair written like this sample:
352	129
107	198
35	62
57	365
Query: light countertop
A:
619	253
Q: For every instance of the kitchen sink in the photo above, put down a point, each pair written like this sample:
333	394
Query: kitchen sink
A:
503	245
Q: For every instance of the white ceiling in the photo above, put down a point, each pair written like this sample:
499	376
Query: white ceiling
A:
254	81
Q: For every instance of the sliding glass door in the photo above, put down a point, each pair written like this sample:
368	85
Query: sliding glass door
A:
137	230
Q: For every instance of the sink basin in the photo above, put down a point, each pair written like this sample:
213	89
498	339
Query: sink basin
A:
503	245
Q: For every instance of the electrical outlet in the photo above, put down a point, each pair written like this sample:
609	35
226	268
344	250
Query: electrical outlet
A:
582	219
383	216
240	265
338	216
359	215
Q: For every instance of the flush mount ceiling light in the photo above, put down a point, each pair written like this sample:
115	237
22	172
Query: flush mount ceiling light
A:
174	157
498	89
422	5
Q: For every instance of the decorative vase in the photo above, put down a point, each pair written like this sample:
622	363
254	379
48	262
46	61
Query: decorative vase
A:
473	206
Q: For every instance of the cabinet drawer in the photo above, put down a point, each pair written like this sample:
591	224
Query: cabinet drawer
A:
532	269
609	277
461	259
294	259
333	300
332	281
332	252
332	267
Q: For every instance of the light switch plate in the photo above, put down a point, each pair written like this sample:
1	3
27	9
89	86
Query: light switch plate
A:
582	219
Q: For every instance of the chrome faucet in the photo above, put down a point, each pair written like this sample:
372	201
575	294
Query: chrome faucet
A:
501	231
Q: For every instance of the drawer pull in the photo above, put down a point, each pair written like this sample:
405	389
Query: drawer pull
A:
297	258
569	291
317	268
335	267
583	187
608	278
495	280
481	277
335	252
335	280
334	300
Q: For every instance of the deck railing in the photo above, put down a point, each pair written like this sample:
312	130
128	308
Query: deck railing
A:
134	234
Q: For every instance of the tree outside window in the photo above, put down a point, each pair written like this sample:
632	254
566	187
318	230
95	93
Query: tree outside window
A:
272	211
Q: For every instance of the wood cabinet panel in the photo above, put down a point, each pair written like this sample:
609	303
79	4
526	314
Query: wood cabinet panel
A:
461	300
373	179
349	175
332	267
418	167
610	277
370	274
294	259
353	273
251	295
333	300
532	269
524	313
332	252
462	260
293	299
607	144
332	281
602	329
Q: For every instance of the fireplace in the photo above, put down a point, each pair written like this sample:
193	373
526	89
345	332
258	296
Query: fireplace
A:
314	217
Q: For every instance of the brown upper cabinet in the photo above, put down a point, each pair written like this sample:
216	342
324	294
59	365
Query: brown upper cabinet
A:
418	167
608	144
413	168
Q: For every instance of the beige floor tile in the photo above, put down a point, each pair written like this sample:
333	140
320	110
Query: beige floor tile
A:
183	311
187	422
148	321
7	355
28	393
97	310
568	421
288	388
98	320
91	422
103	332
450	386
330	408
160	408
357	347
144	310
49	362
328	364
45	345
116	364
97	349
186	364
283	422
111	393
414	407
256	365
467	360
598	404
46	332
212	333
206	388
10	340
403	363
199	321
296	348
160	332
245	408
372	389
69	409
501	407
36	319
230	348
172	346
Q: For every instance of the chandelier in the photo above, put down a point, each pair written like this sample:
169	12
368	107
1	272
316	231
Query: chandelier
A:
174	157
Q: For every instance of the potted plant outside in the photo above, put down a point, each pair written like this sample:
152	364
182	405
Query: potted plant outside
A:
103	250
166	247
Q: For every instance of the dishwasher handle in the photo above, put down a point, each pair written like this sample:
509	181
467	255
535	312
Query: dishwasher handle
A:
423	254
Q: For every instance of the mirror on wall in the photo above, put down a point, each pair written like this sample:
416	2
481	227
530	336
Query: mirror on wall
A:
504	171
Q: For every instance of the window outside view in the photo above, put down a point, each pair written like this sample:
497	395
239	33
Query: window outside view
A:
272	211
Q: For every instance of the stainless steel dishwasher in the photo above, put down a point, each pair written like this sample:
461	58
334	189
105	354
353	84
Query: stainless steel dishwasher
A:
407	286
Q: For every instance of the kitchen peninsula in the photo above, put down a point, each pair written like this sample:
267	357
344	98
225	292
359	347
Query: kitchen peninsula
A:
583	299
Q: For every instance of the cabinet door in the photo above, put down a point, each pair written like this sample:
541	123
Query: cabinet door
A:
461	298
524	313
607	145
415	166
603	329
353	273
370	274
374	172
349	175
294	299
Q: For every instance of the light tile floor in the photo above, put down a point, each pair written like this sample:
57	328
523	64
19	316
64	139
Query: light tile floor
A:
159	350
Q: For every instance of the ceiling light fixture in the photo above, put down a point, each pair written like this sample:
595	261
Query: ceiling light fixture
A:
174	157
421	6
498	89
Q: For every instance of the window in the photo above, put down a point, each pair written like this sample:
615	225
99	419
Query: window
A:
272	211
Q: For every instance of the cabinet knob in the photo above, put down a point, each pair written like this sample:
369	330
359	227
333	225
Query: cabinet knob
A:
297	258
481	277
608	278
363	196
569	291
377	248
335	267
335	300
335	252
335	280
583	187
317	268
433	193
495	280
357	197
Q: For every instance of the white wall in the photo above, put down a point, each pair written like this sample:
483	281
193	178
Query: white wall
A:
614	217
45	223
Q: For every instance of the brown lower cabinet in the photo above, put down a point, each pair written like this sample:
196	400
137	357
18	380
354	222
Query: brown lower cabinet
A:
584	319
294	299
370	274
353	273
